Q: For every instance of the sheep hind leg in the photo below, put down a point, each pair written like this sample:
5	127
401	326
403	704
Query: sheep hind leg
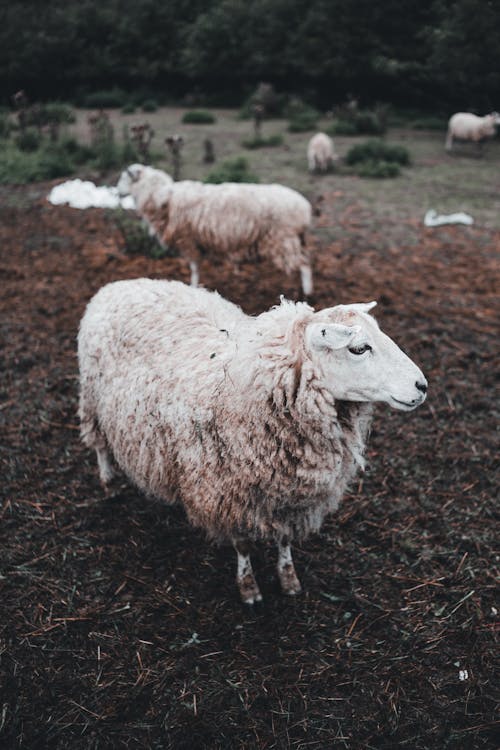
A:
93	438
290	584
248	586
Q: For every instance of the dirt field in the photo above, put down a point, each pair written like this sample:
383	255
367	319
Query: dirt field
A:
121	627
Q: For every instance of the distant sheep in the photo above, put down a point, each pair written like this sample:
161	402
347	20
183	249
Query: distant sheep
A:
255	424
321	154
236	221
464	126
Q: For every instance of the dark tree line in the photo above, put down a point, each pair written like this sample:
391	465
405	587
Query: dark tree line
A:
439	54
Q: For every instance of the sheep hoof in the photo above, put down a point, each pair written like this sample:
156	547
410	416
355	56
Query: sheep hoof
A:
249	589
290	584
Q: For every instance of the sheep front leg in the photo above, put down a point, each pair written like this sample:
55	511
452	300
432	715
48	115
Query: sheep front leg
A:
290	584
249	589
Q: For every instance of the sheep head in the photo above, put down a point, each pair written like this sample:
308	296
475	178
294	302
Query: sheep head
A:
358	362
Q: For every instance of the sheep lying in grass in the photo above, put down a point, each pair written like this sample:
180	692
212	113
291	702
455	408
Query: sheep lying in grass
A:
256	425
236	221
321	154
464	126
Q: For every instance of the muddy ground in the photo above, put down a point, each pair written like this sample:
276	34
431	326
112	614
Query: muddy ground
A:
121	626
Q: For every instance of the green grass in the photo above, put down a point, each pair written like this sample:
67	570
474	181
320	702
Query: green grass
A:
269	142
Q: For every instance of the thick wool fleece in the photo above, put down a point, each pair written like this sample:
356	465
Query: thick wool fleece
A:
232	221
200	403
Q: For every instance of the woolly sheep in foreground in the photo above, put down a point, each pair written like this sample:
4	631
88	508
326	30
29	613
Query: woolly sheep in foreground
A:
321	153
255	424
237	221
464	126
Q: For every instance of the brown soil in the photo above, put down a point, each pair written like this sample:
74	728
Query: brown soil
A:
121	626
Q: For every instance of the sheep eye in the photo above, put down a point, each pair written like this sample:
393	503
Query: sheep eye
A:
360	349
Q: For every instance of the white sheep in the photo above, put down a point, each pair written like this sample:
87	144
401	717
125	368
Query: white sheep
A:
464	126
235	221
321	154
255	424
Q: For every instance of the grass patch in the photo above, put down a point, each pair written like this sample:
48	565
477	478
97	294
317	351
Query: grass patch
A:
198	117
430	123
232	170
136	237
375	150
377	159
270	142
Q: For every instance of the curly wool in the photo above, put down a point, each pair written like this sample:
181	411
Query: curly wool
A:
202	404
232	220
320	153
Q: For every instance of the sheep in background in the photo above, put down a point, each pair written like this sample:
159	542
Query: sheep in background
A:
235	221
321	154
464	126
255	424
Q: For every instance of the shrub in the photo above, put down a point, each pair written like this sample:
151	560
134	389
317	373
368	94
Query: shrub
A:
128	109
149	105
5	125
198	117
375	150
58	113
28	140
380	169
359	122
270	142
232	170
136	237
302	123
342	127
430	123
113	98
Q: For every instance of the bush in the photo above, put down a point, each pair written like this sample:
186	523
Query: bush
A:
136	237
430	123
28	140
343	127
128	109
360	122
272	141
377	151
149	105
380	169
198	117
232	170
57	112
113	98
302	123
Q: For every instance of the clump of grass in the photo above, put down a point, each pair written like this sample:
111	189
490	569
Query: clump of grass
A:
136	237
429	123
375	150
113	98
259	142
378	169
128	108
28	140
198	117
359	122
232	170
149	105
377	159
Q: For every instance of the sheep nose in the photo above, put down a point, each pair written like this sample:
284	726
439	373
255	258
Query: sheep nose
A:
421	387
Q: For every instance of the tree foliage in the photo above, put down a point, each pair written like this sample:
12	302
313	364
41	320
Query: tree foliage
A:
442	53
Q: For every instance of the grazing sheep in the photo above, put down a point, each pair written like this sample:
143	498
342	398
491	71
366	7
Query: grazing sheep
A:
233	221
464	126
321	153
255	424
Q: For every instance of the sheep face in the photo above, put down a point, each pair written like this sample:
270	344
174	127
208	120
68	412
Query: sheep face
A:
358	362
128	177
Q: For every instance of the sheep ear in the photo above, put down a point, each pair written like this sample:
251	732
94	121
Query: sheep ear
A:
363	307
330	335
